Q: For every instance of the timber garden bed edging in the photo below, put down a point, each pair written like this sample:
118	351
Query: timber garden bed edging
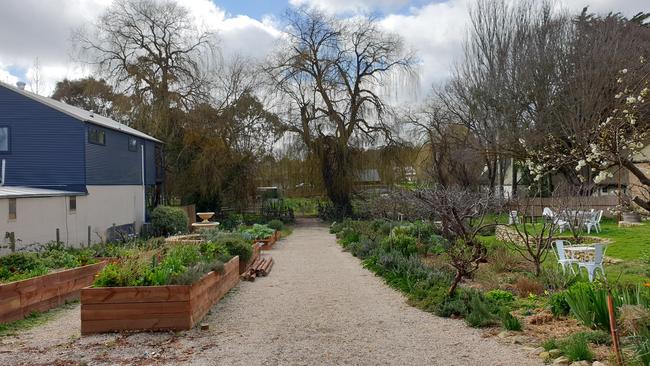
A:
20	298
270	241
154	308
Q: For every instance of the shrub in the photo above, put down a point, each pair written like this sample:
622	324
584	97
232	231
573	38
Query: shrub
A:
554	279
167	220
550	344
348	236
275	225
363	248
452	307
237	245
559	305
576	348
597	337
526	286
500	297
479	315
403	243
635	322
510	322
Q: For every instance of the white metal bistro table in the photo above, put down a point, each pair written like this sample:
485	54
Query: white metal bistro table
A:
581	253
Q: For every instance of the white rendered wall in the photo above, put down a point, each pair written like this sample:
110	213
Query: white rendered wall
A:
38	218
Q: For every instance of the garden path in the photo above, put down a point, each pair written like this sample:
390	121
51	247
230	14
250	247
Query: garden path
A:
318	306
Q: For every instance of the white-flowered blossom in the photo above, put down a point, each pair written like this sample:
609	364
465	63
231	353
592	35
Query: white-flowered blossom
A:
580	165
619	95
624	71
630	100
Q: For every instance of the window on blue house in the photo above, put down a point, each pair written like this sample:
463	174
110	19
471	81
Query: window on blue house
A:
96	136
133	144
4	139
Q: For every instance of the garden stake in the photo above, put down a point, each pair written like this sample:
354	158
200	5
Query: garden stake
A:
612	327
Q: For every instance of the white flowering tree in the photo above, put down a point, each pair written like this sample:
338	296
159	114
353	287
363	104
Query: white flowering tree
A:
608	144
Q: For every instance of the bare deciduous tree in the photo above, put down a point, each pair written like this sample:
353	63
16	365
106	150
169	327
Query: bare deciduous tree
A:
331	71
152	50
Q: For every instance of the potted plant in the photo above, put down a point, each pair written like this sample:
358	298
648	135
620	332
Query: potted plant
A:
628	210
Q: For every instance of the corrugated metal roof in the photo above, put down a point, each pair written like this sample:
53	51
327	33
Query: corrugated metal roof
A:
25	192
81	114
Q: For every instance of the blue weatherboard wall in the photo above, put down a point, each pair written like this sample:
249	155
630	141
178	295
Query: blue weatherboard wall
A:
113	163
47	146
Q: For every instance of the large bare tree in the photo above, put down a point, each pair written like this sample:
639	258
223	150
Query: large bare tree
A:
152	50
602	109
331	73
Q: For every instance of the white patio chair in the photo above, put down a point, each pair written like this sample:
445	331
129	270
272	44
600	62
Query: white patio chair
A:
594	221
548	213
596	264
513	218
561	256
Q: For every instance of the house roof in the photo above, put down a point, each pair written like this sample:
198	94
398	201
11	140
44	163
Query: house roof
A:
30	192
367	176
80	114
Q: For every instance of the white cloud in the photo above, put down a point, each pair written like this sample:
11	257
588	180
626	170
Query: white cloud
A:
436	32
31	29
346	6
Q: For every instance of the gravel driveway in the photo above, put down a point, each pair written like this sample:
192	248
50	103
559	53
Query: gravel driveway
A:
318	306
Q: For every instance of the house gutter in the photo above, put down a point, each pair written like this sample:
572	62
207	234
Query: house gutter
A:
144	188
2	173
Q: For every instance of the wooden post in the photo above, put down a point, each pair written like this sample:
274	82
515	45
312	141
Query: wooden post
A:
89	241
612	328
57	236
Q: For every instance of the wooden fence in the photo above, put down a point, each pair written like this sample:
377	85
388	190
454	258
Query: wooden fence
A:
535	206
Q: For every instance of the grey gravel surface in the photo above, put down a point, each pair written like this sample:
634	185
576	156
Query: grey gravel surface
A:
318	306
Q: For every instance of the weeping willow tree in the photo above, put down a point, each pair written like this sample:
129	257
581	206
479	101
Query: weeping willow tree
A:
329	72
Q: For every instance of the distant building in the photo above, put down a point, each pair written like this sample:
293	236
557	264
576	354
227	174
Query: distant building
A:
66	172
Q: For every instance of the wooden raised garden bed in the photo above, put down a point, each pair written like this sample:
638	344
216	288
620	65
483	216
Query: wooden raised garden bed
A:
268	242
20	298
173	307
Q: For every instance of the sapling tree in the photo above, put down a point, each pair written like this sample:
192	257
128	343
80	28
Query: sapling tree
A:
462	216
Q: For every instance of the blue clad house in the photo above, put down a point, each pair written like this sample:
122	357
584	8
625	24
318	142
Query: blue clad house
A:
68	173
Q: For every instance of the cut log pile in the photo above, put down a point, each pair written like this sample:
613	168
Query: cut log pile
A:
260	267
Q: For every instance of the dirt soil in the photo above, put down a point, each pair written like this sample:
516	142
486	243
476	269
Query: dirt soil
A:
318	306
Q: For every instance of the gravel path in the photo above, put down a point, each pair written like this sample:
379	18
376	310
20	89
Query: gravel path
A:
318	306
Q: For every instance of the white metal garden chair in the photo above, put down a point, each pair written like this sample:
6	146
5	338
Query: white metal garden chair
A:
591	267
594	221
561	256
560	224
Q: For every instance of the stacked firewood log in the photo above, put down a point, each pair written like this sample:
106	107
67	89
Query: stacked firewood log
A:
260	267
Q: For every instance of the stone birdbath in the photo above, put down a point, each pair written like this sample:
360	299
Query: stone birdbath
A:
206	223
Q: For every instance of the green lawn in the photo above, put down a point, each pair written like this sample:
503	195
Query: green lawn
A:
627	243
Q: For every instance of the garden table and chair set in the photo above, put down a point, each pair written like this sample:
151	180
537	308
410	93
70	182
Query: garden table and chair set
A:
589	257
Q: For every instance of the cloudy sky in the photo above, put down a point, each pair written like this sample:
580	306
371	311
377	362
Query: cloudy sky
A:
40	29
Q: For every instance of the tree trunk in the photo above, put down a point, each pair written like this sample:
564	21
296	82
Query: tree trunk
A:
514	179
454	284
335	164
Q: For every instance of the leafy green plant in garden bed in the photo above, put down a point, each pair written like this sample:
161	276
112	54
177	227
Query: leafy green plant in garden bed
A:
258	232
25	265
179	263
